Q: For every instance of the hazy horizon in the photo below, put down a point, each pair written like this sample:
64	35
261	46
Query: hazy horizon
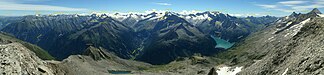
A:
237	8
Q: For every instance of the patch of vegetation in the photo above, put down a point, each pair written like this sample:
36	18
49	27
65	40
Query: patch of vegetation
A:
94	21
240	54
143	68
41	53
135	53
103	23
218	23
167	67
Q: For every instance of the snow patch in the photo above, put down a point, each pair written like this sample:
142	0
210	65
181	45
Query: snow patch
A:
123	16
228	70
294	29
118	17
196	17
321	15
158	15
215	13
185	12
286	17
284	73
288	23
271	39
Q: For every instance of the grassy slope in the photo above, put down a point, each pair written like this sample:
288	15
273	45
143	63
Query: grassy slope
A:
41	53
247	51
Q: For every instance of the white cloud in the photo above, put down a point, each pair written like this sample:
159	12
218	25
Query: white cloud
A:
12	5
292	2
267	5
285	10
274	7
164	4
319	2
308	6
294	5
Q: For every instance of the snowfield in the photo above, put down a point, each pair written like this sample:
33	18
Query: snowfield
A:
228	70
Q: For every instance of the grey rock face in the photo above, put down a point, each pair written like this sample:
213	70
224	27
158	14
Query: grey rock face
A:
300	54
95	53
16	59
297	49
316	11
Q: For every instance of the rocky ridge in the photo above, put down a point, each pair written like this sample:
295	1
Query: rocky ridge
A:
292	46
18	60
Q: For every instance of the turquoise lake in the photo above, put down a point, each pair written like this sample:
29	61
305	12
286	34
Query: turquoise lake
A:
221	43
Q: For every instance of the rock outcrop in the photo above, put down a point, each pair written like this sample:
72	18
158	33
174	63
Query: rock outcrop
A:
16	59
212	72
95	53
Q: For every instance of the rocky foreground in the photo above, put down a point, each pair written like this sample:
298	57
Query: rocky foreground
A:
16	59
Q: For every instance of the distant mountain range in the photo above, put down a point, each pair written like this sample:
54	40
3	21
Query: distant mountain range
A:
156	38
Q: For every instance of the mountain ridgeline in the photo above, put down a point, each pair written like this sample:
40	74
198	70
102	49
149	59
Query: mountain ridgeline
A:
293	45
156	38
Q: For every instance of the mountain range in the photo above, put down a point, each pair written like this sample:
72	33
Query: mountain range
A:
144	37
164	43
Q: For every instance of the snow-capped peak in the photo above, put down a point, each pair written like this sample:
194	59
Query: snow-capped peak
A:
123	16
97	14
190	16
185	12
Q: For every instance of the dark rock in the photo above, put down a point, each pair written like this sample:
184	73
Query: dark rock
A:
316	11
212	72
96	54
201	72
41	70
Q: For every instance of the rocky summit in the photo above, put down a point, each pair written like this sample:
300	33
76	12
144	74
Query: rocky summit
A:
17	58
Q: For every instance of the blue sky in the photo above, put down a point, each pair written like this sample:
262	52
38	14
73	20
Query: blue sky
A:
233	7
